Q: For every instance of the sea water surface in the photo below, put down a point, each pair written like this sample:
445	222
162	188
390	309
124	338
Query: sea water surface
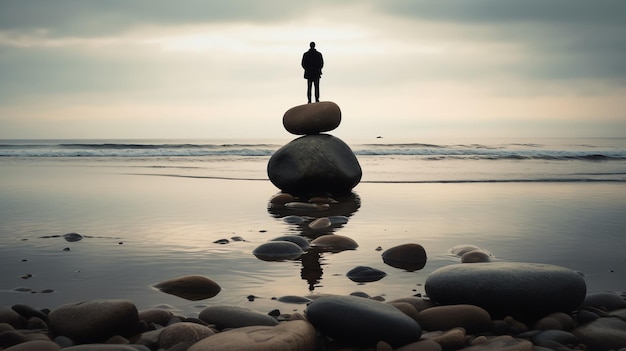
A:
151	210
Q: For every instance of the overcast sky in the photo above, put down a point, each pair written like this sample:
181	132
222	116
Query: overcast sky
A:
230	69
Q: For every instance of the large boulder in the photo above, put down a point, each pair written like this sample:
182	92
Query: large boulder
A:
524	290
312	118
315	164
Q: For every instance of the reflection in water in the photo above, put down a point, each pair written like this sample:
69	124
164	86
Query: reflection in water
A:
313	218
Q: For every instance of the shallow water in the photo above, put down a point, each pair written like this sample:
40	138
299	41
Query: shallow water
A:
152	221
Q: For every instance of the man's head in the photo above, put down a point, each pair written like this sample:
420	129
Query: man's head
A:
312	45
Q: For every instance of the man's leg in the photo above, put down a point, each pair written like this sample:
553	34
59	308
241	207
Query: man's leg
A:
317	90
309	82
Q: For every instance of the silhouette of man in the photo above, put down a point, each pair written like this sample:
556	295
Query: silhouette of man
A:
312	62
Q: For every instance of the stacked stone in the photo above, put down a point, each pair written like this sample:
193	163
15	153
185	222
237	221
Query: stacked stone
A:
316	163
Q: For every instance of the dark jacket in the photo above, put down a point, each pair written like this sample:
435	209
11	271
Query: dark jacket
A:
312	62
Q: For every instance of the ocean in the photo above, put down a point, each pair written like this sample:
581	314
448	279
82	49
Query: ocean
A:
151	210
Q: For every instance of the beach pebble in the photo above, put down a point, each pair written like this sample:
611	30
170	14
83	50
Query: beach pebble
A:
35	345
183	332
419	303
508	288
295	335
554	339
314	164
405	308
94	320
557	320
225	316
10	316
72	237
294	299
502	343
452	339
320	223
334	243
278	251
476	256
296	239
281	199
363	274
190	287
106	347
359	321
602	334
606	300
28	312
410	257
155	315
471	318
312	118
294	219
460	250
424	345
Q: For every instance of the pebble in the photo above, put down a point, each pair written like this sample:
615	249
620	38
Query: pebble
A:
296	239
278	251
183	332
471	318
28	312
225	316
606	300
281	199
502	343
361	321
603	333
410	257
10	316
295	335
190	287
334	243
363	274
107	347
476	256
312	118
459	250
424	345
452	339
94	320
35	345
508	288
155	315
72	237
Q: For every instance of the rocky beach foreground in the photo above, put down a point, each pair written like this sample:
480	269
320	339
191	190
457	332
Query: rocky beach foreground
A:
330	322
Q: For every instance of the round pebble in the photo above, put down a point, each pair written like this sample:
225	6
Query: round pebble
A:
278	251
363	274
410	257
334	243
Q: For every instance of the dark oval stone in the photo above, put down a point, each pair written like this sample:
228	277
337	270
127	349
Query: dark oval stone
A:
278	251
411	257
72	237
334	243
360	321
362	274
296	239
314	164
190	287
508	288
225	316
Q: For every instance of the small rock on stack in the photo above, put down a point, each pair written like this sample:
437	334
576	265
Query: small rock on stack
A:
315	163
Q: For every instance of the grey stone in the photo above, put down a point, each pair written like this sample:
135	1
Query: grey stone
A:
94	320
278	251
183	332
471	318
362	274
607	300
190	287
361	321
508	288
225	316
314	165
603	334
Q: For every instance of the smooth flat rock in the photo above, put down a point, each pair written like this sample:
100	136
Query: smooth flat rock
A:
226	316
296	335
361	321
183	332
94	320
278	251
314	165
508	288
312	118
190	287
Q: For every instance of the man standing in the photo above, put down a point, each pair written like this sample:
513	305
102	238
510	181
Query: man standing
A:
312	62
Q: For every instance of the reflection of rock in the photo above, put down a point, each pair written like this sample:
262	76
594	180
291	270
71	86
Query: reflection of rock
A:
278	251
311	268
296	239
312	118
411	257
315	165
191	287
